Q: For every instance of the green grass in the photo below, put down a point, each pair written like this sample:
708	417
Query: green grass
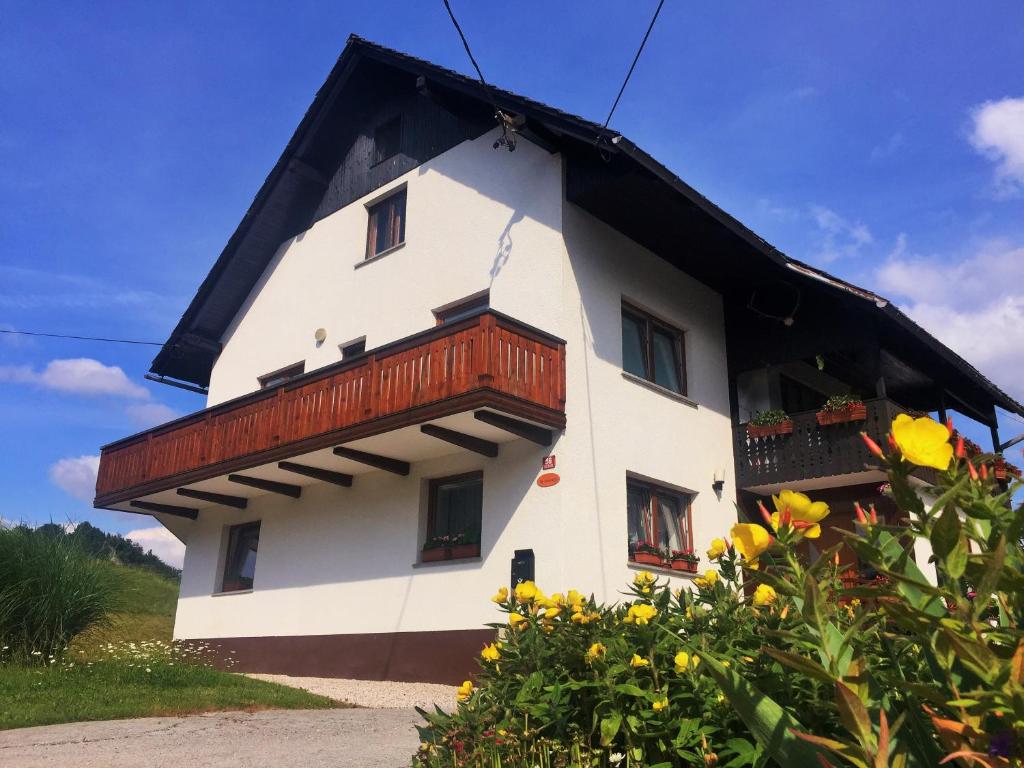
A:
93	682
111	690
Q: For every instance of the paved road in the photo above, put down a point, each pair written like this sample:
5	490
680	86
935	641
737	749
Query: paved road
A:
324	738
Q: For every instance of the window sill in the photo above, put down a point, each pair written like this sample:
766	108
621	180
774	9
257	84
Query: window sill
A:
232	592
659	389
380	255
450	561
660	569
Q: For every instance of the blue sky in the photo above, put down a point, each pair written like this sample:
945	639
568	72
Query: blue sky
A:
884	142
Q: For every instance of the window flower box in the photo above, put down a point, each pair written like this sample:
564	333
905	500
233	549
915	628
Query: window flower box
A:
770	430
456	552
685	561
841	409
1004	470
647	558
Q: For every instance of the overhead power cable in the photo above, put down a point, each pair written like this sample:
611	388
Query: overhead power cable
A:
503	119
82	338
631	66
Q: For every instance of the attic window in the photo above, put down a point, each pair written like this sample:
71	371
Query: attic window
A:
387	140
282	375
465	308
386	227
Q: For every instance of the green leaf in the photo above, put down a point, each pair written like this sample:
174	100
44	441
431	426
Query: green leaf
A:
854	716
946	531
610	727
630	690
771	726
956	560
801	664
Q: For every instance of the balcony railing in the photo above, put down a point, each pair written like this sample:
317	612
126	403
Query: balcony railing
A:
484	360
810	451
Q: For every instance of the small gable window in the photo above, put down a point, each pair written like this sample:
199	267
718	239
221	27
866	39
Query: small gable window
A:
465	308
281	376
387	140
386	224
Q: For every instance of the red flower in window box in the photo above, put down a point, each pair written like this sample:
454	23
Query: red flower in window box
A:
1004	470
841	409
646	554
449	547
769	424
685	560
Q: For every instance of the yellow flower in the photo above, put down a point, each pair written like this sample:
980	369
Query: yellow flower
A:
644	581
708	580
596	651
501	596
490	653
764	595
640	614
660	704
726	664
517	621
581	617
750	541
551	613
526	591
682	661
718	548
802	510
923	441
465	691
574	599
638	661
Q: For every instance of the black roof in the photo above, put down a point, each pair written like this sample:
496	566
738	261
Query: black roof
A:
283	207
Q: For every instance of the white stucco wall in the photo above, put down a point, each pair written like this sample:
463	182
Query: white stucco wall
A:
340	560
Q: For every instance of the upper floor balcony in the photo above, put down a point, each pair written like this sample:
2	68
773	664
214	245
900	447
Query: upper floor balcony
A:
464	384
809	454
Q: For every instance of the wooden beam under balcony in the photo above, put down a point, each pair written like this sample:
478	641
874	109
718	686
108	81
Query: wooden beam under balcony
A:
523	429
285	489
372	459
238	502
166	509
469	442
338	478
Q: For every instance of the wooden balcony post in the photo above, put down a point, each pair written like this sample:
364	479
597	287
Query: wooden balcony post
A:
486	351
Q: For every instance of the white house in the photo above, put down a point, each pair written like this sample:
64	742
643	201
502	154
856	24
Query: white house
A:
426	356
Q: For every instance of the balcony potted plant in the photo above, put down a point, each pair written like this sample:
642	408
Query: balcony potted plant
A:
684	560
1004	470
840	409
451	546
769	423
646	554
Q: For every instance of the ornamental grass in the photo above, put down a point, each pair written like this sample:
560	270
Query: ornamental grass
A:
769	660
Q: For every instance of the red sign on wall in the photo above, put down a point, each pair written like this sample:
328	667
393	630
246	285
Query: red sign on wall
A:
548	462
548	479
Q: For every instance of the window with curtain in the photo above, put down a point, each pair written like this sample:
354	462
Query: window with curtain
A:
240	562
653	350
455	508
657	517
386	227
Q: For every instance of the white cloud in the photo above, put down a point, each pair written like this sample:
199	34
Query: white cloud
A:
76	476
999	135
974	305
887	148
162	542
837	237
81	375
147	415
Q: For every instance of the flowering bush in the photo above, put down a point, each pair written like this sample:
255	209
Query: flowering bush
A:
769	660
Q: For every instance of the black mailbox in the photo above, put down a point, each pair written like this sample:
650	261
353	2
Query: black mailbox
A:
522	566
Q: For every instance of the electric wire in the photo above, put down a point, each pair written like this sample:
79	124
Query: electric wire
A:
632	66
82	338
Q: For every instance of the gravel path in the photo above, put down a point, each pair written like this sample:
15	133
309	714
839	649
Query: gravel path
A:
323	738
371	693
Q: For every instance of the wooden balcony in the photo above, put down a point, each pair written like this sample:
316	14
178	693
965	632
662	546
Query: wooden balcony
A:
486	361
812	451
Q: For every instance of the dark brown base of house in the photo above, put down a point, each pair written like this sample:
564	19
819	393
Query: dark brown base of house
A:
424	657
